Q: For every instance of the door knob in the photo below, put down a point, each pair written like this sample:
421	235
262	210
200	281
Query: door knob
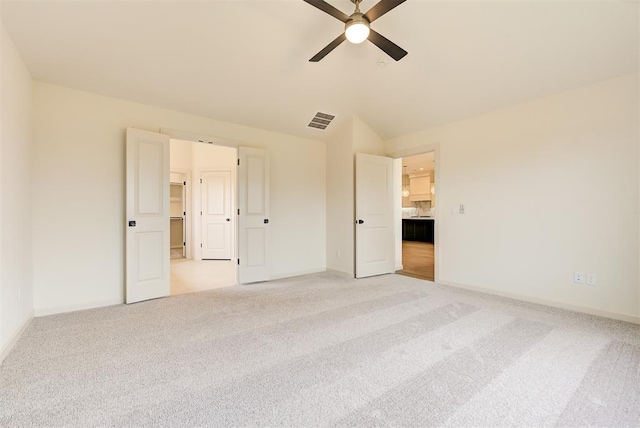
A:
132	223
228	219
360	221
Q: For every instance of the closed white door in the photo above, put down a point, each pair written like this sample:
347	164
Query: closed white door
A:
216	215
253	216
375	249
147	210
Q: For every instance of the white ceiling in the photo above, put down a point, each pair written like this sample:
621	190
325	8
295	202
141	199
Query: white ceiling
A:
247	61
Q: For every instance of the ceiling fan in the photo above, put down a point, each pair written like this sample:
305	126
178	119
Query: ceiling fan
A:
357	27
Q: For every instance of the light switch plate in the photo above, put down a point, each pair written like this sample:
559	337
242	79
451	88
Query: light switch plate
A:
591	279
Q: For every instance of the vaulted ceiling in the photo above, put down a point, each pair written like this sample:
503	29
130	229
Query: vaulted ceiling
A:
247	61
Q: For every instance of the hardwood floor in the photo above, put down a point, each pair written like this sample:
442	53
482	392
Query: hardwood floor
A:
417	260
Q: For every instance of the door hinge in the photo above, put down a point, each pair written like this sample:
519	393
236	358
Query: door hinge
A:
238	211
238	162
184	183
201	245
201	181
184	213
184	244
238	261
200	212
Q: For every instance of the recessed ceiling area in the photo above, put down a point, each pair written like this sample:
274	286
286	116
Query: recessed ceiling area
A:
247	62
416	162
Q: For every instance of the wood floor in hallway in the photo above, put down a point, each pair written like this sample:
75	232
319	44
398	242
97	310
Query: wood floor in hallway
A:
418	260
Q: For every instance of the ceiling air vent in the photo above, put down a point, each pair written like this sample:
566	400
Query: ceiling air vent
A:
321	121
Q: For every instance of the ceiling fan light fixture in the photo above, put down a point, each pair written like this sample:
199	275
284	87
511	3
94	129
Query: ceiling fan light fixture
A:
357	29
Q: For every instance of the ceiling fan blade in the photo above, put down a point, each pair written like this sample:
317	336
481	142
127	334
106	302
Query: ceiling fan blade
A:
390	48
331	46
381	8
326	7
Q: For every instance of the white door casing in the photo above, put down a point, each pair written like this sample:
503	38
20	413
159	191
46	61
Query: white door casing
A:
147	211
253	217
216	215
375	251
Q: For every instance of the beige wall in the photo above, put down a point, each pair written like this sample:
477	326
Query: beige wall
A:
550	187
180	155
16	112
365	140
79	194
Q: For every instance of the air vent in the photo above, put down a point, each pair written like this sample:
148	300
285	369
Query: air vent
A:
321	121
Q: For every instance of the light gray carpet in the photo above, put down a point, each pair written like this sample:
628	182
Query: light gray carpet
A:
322	350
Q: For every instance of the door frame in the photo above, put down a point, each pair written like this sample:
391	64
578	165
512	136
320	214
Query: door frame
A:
439	212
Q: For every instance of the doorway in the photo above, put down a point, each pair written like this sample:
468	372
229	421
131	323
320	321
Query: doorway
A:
208	258
150	157
418	215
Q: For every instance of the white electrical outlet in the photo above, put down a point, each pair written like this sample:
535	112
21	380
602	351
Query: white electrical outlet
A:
591	279
579	278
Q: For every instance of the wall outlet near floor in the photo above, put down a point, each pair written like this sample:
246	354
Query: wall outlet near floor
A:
591	279
579	278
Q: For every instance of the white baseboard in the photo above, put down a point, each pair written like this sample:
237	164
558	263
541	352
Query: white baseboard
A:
340	273
4	351
399	267
41	312
560	305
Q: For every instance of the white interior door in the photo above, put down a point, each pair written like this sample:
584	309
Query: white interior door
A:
253	216
216	215
147	210
375	249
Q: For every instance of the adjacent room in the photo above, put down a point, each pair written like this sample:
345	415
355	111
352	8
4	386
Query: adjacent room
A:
202	220
418	216
319	213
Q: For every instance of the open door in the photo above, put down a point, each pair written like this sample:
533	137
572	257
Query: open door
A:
216	215
147	210
253	215
375	249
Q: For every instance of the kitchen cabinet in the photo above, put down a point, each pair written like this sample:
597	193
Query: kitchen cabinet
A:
419	187
418	230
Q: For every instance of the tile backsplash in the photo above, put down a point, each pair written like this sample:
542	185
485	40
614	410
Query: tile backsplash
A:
422	208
